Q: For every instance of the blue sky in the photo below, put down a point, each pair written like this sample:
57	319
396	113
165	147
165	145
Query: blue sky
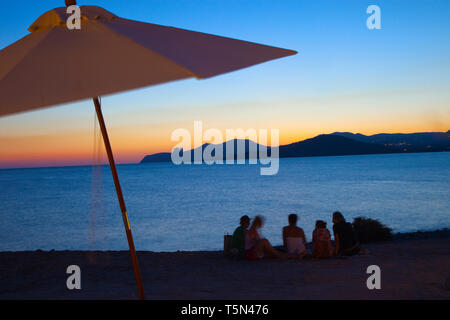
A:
345	76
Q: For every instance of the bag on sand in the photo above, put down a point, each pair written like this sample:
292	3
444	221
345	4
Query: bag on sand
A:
226	245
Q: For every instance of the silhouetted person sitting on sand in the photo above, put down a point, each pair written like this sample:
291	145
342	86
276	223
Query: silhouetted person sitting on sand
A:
321	241
294	238
257	248
238	238
345	240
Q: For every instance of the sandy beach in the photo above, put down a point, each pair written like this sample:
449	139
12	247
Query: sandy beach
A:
413	266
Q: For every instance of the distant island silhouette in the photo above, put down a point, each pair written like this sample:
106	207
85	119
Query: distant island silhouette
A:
338	144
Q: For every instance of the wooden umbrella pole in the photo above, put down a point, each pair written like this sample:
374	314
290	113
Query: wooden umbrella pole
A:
126	222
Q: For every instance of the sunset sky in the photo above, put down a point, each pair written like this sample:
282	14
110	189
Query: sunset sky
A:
344	78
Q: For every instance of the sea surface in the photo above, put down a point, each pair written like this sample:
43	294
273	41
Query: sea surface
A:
191	207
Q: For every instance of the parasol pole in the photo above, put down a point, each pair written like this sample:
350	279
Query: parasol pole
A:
126	222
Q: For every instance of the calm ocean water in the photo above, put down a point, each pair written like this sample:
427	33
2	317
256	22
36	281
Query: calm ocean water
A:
191	207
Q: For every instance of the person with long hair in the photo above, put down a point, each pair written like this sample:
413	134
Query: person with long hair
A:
321	241
257	248
345	241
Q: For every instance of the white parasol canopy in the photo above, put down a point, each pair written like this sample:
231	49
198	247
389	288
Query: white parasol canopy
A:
54	65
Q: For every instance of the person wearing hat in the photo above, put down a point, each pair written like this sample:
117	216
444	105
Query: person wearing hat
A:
238	238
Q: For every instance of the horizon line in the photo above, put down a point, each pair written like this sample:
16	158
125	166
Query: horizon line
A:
161	152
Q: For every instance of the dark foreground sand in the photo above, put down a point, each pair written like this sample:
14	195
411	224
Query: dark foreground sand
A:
410	269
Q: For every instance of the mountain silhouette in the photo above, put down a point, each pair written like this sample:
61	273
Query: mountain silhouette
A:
412	142
329	145
335	144
235	149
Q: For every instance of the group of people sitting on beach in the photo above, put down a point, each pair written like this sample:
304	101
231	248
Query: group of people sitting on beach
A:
247	242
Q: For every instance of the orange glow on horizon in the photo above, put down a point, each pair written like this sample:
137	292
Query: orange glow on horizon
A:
129	145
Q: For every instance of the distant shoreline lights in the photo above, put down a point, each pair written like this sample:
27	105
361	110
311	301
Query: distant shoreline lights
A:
213	152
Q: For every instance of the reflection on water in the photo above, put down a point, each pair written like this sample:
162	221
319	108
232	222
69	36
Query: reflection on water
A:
191	207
